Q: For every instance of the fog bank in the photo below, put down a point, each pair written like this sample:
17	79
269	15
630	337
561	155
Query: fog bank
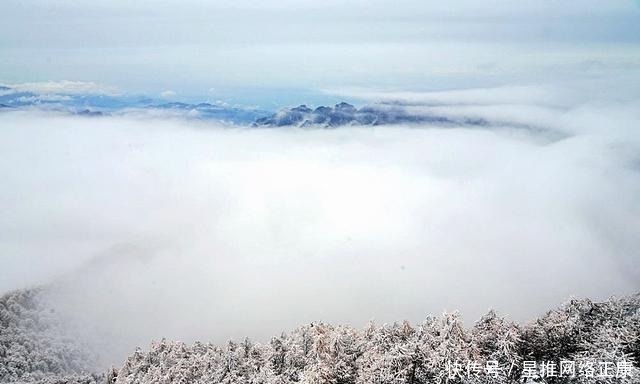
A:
145	228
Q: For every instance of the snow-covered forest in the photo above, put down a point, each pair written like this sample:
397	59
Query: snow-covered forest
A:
34	345
34	348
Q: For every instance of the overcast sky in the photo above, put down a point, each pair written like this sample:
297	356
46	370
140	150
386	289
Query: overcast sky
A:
244	50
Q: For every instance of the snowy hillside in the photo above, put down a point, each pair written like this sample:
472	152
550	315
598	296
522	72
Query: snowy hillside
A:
34	345
581	331
33	349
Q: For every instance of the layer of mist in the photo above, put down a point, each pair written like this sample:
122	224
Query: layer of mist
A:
142	228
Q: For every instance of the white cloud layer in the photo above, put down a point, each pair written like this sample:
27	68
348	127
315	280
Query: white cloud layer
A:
153	228
65	87
168	94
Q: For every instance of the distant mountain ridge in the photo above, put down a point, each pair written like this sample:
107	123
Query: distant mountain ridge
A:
214	111
341	114
346	114
105	104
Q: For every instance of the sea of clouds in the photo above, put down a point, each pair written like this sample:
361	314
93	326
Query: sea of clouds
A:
143	228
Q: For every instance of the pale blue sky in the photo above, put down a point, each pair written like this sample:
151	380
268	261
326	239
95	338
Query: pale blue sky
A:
244	51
